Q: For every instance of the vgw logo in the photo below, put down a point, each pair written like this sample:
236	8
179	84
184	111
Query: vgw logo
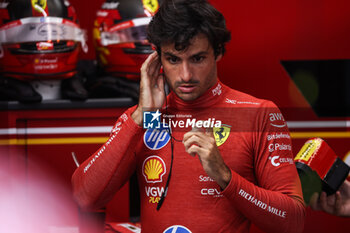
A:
151	120
156	139
177	229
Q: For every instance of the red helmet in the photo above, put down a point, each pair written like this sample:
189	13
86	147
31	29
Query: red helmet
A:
120	36
39	39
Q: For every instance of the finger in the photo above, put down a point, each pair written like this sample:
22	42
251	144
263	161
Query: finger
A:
195	150
194	140
314	201
331	200
209	132
145	66
323	202
154	60
154	68
344	187
338	203
191	133
187	135
146	63
160	82
198	129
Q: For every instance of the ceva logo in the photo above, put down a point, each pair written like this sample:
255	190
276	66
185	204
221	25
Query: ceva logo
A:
177	229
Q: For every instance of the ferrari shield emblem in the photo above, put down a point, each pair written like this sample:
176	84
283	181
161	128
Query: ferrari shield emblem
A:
221	134
39	5
151	5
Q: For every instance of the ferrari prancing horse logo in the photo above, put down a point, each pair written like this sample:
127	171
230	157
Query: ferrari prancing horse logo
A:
221	134
39	5
151	5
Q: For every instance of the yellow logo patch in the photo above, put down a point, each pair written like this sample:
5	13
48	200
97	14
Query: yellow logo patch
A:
151	5
153	169
221	134
39	5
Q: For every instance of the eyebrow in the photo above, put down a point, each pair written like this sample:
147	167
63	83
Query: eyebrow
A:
194	55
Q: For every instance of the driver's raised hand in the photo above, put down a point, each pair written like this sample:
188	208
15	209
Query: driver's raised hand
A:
152	94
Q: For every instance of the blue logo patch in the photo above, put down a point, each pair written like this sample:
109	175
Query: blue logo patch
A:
177	229
151	120
156	139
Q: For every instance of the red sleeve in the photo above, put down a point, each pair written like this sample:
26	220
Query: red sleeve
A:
102	174
275	203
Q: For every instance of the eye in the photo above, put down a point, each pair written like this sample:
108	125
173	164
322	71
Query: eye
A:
173	59
198	58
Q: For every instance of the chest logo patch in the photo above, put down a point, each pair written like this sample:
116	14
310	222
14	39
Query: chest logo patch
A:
156	139
221	134
177	229
153	169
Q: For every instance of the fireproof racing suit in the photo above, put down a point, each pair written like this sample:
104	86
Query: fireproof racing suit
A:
253	140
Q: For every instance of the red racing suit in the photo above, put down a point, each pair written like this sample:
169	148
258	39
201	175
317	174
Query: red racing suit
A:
253	140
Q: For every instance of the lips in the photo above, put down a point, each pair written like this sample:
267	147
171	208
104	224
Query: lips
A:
187	88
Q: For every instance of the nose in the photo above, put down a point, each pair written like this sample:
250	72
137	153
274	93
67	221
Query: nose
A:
186	72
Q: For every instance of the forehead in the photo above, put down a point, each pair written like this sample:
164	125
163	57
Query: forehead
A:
198	44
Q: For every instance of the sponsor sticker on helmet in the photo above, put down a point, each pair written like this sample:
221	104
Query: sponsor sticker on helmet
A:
39	5
151	5
177	229
153	169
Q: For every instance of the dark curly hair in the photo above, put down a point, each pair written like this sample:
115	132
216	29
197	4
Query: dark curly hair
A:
178	21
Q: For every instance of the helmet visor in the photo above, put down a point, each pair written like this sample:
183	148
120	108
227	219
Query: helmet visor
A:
126	32
36	29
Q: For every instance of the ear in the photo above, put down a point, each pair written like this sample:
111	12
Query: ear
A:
218	58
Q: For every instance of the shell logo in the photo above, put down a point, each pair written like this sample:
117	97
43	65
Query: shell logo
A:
153	169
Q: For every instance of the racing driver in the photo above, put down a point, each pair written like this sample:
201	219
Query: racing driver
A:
208	158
